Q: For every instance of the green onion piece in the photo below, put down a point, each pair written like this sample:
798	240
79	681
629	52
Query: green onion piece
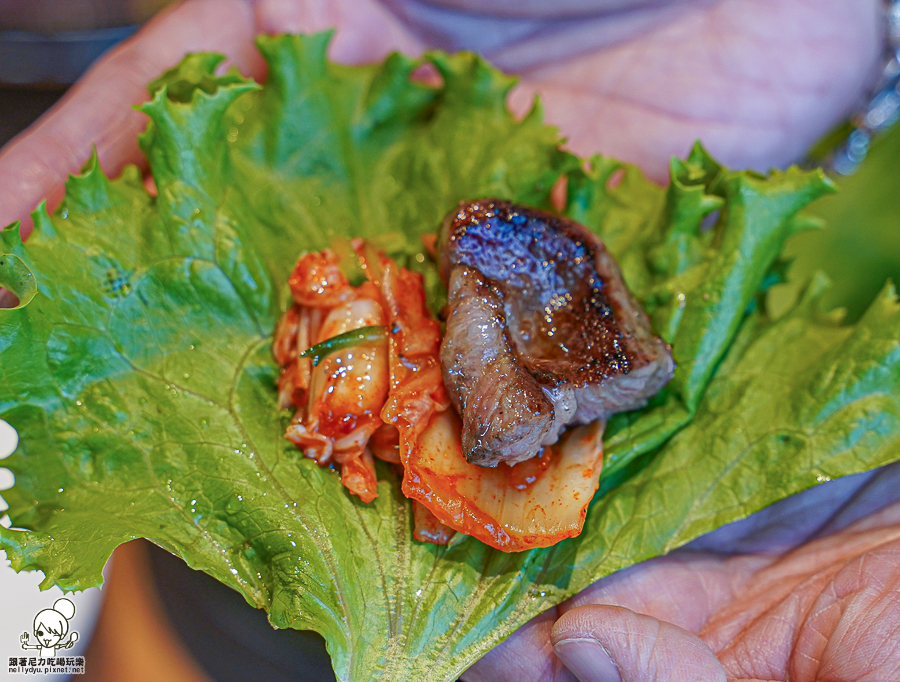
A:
355	337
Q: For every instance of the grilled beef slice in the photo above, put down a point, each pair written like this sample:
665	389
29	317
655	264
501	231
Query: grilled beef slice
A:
541	330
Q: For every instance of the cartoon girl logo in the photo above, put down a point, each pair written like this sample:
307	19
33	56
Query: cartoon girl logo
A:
50	627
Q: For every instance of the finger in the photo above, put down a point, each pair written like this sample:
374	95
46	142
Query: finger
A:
526	656
98	110
614	644
758	81
366	30
682	588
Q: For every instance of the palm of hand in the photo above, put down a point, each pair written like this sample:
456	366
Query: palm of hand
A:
801	591
758	81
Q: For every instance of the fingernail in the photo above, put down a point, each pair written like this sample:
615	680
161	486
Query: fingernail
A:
587	660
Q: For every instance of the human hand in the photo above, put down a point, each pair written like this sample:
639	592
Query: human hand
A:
98	110
757	80
804	590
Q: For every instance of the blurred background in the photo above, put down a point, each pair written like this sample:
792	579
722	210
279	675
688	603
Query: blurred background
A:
45	45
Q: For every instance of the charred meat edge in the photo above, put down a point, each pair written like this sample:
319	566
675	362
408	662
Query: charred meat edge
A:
541	330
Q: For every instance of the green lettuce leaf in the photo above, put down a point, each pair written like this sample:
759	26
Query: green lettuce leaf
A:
139	377
860	249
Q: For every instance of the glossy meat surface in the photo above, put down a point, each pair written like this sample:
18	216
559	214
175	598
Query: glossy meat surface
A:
541	331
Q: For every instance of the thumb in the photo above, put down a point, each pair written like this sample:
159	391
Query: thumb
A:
599	643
